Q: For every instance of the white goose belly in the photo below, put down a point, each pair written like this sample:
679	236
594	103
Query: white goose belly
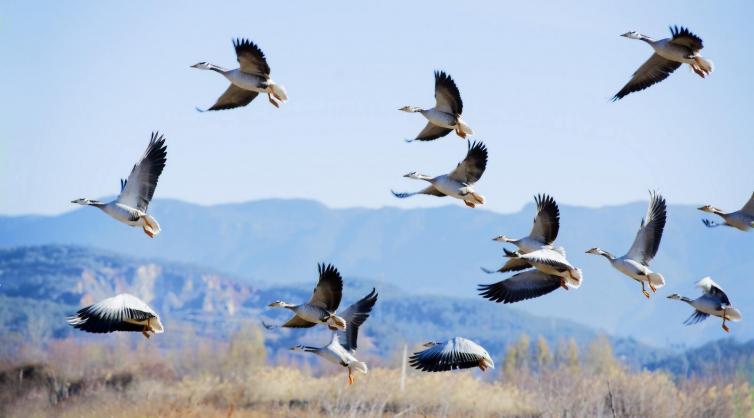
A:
439	118
739	221
310	313
674	52
125	214
247	81
708	306
632	269
451	187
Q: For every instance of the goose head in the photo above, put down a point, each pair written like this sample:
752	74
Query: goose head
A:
594	250
85	201
202	65
632	35
417	176
503	238
279	304
709	209
299	348
410	109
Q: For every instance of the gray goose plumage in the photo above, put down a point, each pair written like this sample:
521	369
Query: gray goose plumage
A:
137	191
460	182
713	301
247	81
446	115
682	47
323	304
342	346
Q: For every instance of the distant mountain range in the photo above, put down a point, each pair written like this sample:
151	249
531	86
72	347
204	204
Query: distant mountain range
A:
434	251
42	285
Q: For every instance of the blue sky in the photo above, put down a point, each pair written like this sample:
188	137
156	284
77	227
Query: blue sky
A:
84	83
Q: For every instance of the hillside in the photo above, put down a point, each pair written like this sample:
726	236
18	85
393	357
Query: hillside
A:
40	285
431	251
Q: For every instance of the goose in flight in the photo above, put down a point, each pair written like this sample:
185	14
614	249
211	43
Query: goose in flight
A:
446	115
742	219
682	47
323	304
136	192
123	312
544	230
246	82
551	271
342	347
460	182
713	301
456	353
635	264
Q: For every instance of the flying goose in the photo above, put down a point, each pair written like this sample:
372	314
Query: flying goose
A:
456	353
136	192
123	312
552	270
342	347
682	47
545	229
742	219
246	82
635	264
712	302
446	115
322	306
459	183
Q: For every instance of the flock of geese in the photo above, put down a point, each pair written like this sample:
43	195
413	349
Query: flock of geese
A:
540	267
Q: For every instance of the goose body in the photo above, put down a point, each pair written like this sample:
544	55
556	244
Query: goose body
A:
460	182
713	302
683	47
137	191
742	219
323	304
342	347
635	264
247	81
445	117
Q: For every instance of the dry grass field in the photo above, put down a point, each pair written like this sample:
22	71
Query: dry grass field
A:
71	378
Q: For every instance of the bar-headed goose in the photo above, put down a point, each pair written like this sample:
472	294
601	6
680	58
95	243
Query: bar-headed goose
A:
682	47
456	353
742	219
246	82
136	192
123	312
712	302
459	183
322	306
446	115
635	264
342	347
544	230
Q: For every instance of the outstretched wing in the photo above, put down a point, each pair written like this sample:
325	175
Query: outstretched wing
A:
684	37
527	285
647	240
298	322
431	132
355	315
654	70
329	288
251	58
470	170
112	314
458	353
233	97
696	318
138	190
447	96
749	206
547	222
429	190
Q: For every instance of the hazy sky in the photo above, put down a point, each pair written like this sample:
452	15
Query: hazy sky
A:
84	83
